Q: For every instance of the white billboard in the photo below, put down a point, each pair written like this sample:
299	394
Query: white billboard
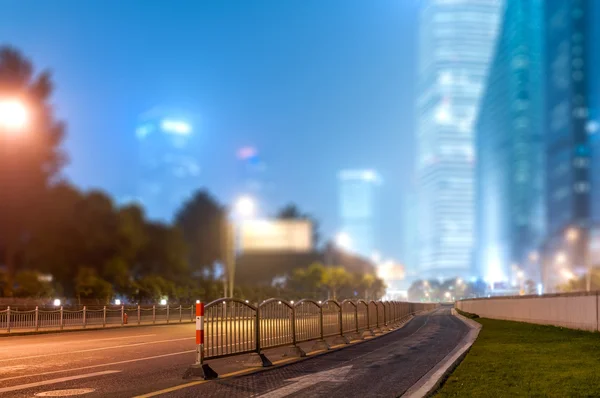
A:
275	235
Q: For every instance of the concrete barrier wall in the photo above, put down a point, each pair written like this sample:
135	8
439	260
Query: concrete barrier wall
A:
570	310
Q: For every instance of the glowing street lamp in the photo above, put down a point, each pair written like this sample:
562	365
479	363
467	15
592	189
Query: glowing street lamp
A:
343	241
245	207
14	115
560	258
534	256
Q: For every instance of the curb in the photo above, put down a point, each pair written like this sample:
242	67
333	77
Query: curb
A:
433	379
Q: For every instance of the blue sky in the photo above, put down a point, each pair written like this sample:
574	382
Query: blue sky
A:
315	85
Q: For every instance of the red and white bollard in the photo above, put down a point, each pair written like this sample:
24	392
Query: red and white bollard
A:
200	369
199	333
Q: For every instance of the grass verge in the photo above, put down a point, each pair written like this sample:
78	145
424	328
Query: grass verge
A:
515	359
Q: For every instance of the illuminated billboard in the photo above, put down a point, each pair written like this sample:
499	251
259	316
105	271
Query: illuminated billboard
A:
276	235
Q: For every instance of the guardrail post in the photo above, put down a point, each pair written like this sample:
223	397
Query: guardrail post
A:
61	318
122	314
167	313
180	313
321	344
258	358
154	314
37	313
356	318
376	316
192	313
257	329
139	315
342	339
104	317
84	316
8	319
294	350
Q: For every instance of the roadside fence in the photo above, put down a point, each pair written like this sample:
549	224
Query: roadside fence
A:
233	326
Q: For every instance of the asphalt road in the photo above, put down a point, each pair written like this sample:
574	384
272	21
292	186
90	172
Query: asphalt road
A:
147	360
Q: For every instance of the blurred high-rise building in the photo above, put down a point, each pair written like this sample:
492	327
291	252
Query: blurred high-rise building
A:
510	176
456	44
167	167
358	209
573	147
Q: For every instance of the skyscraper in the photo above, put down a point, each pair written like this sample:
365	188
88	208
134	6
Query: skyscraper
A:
572	110
358	208
168	171
457	39
510	176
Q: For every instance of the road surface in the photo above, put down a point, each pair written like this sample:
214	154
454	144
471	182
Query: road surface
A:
151	360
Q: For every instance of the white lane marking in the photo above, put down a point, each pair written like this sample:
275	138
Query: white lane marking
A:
116	338
96	349
336	375
55	381
99	365
65	393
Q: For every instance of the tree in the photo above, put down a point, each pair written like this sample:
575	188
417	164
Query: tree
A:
201	221
89	285
31	284
292	212
334	278
29	160
307	281
164	253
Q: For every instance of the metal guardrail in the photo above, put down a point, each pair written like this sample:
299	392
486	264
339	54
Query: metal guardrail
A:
61	318
233	326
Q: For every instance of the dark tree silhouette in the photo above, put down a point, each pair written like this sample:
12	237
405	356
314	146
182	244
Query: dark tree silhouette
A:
201	222
29	159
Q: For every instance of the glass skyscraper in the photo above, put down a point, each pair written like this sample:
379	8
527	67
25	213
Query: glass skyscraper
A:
572	141
457	38
510	177
167	166
358	204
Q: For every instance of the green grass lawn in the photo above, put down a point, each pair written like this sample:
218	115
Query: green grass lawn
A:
514	359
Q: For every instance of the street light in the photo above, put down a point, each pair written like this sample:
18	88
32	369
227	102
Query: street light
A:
343	240
560	258
245	207
14	115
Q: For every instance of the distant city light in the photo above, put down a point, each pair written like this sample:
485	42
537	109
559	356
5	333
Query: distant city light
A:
13	115
163	302
197	301
560	258
534	256
56	302
175	127
567	274
572	234
246	301
520	274
117	302
343	240
540	289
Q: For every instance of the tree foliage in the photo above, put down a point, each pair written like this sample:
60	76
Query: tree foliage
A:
29	158
201	222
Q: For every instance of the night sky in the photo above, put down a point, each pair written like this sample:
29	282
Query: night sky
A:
315	86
